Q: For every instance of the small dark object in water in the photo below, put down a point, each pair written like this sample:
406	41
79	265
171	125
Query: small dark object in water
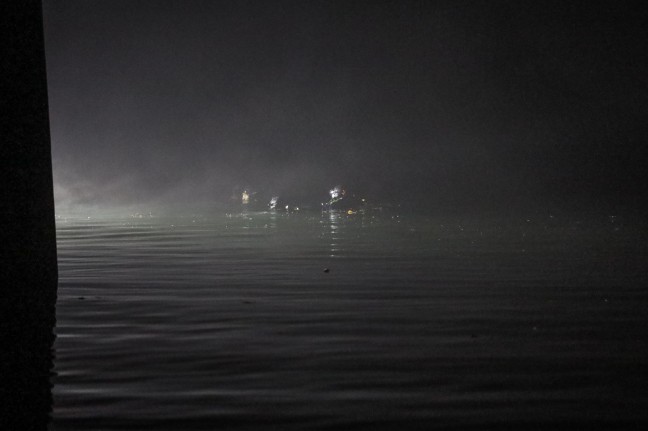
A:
326	270
81	298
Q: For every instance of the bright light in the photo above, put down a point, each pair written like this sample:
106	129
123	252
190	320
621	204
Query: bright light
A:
335	192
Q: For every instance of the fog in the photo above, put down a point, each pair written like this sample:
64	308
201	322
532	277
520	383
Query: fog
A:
446	105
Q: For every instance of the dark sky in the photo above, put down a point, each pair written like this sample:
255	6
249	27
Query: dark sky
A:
461	104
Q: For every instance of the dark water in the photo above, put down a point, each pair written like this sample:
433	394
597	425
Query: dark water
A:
421	323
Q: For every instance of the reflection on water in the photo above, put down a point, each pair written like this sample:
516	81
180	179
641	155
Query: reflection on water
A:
231	322
334	232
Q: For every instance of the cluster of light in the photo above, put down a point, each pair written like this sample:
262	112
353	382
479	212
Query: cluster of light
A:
336	193
273	202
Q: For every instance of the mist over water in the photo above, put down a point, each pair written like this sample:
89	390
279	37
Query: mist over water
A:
449	104
495	277
231	321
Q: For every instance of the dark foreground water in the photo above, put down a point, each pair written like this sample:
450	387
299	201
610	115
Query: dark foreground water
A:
223	322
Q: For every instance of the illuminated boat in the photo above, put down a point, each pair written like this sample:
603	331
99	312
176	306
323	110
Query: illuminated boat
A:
336	194
341	201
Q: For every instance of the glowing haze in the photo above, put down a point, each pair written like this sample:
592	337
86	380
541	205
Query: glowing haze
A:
457	104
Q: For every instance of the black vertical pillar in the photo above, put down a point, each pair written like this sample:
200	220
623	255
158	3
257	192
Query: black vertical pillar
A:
28	272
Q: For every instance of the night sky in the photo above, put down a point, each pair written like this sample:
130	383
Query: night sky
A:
453	104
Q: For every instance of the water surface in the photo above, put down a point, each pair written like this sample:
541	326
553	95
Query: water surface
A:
231	322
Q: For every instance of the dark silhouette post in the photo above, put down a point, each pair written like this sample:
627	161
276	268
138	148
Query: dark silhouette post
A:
28	271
